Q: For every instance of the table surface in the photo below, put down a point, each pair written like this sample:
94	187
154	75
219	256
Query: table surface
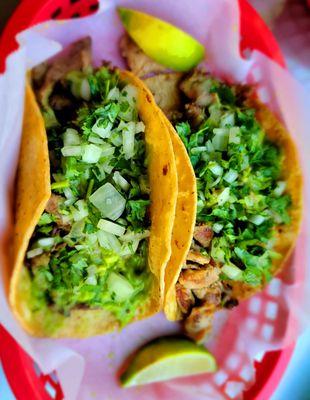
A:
292	30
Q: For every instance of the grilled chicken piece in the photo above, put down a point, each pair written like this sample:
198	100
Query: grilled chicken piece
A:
185	298
138	62
52	207
165	88
76	58
197	88
211	294
199	323
163	83
58	102
203	234
197	257
200	293
38	73
40	261
195	114
191	266
199	278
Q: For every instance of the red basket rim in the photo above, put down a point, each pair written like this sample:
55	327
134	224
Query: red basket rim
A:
17	365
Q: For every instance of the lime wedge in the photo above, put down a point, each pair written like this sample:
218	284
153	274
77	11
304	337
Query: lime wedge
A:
162	41
167	358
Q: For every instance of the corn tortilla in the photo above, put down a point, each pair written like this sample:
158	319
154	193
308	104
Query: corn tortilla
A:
33	192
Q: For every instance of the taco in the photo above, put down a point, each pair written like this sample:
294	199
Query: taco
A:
249	192
96	198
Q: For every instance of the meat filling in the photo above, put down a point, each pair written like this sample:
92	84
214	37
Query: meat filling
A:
163	83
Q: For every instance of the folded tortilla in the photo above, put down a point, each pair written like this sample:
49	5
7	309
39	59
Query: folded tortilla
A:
33	191
285	236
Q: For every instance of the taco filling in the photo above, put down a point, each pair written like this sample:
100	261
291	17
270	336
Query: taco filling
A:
89	249
243	203
241	196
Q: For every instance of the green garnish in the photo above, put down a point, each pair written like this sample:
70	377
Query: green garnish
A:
90	246
240	192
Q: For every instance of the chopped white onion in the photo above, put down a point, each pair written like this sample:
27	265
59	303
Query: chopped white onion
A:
120	181
227	119
46	242
81	212
85	90
129	140
129	248
91	280
111	227
107	150
280	188
132	236
109	241
108	201
34	253
71	151
230	176
95	139
223	197
116	138
91	154
130	94
113	94
119	286
198	150
107	167
102	128
77	229
217	227
257	219
220	139
140	127
210	147
234	135
232	271
216	169
71	137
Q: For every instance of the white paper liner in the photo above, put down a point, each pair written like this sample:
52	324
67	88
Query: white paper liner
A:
88	368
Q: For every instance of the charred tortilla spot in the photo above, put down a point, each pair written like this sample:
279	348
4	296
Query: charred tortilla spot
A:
177	243
165	169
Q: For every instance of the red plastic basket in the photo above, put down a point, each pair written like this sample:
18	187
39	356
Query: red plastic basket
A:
24	377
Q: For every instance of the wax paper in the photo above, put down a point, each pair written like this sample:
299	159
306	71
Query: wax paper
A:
88	368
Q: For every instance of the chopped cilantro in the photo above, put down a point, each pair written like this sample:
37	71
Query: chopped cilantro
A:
74	270
237	170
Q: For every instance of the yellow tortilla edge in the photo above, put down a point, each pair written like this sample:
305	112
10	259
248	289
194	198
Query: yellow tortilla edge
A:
184	223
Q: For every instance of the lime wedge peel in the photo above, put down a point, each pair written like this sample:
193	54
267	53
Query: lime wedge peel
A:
167	358
161	41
